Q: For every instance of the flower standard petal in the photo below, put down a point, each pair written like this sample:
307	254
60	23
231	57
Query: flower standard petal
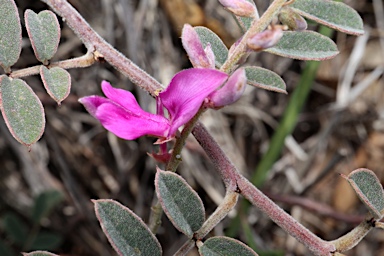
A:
124	122
187	91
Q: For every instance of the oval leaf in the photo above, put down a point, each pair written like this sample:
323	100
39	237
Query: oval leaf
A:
305	45
57	82
218	47
44	32
126	232
45	240
333	14
180	202
44	203
39	253
225	246
264	78
22	110
245	22
368	188
10	34
15	228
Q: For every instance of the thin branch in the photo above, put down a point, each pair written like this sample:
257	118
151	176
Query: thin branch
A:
95	43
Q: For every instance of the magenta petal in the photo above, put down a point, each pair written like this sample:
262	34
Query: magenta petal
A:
123	122
187	91
121	97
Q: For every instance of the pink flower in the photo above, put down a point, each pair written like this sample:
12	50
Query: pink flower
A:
120	113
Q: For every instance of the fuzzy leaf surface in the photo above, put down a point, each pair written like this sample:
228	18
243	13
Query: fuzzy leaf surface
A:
336	15
225	246
245	22
218	47
22	110
126	232
305	45
57	82
44	32
369	189
265	79
180	202
39	253
10	34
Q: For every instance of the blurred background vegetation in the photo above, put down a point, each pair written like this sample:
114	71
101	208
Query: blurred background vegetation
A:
45	193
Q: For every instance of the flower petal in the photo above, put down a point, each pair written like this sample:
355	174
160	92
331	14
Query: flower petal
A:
187	91
124	122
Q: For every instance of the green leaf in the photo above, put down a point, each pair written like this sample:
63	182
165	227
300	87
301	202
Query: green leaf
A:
218	47
265	79
22	110
180	202
39	253
10	34
47	241
305	45
44	203
44	32
245	22
333	14
225	246
126	232
368	188
15	228
57	82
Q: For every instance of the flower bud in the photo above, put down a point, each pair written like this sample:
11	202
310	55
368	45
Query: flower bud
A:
230	92
240	7
265	39
292	19
194	48
210	55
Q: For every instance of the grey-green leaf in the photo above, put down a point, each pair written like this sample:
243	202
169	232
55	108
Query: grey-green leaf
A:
15	228
44	32
39	253
22	110
126	232
10	34
369	189
265	79
225	246
180	202
305	45
218	47
333	14
57	82
44	203
245	22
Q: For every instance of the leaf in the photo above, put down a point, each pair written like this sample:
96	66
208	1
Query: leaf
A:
126	232
44	203
10	34
225	246
265	79
57	82
22	110
245	22
15	228
180	202
333	14
218	47
39	253
368	188
304	45
47	241
44	32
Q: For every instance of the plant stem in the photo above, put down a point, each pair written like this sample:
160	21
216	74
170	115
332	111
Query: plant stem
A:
228	203
80	62
95	43
352	238
233	179
258	26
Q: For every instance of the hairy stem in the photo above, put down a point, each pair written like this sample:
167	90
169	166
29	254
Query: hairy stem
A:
94	42
258	26
229	202
80	62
